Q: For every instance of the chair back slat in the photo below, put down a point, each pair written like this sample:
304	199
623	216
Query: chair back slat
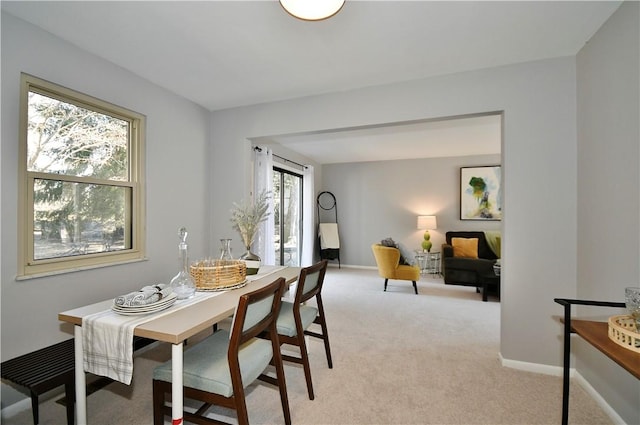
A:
310	282
256	312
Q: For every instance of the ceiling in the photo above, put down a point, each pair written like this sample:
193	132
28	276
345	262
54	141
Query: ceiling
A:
226	54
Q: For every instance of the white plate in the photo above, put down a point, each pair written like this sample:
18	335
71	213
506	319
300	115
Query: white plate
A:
153	307
167	300
140	313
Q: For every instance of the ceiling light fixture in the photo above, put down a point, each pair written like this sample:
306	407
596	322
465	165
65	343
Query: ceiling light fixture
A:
312	10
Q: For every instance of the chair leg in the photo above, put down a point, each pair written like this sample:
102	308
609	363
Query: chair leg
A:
304	355
385	284
241	408
158	403
415	287
325	334
282	385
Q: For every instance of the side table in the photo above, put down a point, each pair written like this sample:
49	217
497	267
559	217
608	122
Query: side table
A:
429	262
421	261
433	263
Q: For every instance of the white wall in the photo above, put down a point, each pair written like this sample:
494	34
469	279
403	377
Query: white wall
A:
608	81
176	182
382	199
539	167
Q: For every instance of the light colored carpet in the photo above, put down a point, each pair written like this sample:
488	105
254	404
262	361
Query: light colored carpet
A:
399	358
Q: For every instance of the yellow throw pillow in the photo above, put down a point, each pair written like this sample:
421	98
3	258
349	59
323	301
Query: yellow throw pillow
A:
465	247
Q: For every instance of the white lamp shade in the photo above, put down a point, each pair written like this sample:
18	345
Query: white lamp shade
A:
312	10
427	222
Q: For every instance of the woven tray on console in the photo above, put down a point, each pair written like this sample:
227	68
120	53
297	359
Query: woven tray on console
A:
218	275
622	331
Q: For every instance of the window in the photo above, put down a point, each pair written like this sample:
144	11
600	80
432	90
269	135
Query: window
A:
81	187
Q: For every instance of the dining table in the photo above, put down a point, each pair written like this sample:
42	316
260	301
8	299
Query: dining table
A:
182	320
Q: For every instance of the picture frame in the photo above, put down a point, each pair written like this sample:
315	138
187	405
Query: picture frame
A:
481	193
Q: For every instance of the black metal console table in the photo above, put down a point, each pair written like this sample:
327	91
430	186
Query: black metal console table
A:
596	334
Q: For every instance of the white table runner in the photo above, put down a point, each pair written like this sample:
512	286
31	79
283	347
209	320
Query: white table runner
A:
107	338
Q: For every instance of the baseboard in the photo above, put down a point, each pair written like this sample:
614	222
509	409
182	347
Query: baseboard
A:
351	266
577	378
15	408
534	367
598	398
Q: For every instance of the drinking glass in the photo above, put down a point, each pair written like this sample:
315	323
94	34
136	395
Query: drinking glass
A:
632	301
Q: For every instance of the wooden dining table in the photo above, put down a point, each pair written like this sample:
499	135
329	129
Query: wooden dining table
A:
174	327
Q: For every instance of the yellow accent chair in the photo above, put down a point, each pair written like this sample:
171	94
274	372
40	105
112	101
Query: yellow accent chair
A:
389	267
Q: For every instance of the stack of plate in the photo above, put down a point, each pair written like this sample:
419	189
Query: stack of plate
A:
136	310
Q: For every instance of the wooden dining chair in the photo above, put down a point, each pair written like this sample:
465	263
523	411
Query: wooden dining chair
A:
219	368
295	318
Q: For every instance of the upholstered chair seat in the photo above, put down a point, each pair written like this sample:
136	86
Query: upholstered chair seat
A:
287	323
206	366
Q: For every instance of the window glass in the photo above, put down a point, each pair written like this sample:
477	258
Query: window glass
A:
72	219
64	138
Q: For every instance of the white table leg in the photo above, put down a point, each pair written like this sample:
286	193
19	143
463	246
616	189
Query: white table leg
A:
81	386
176	386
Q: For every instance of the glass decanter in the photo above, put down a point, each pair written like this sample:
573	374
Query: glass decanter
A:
182	283
225	250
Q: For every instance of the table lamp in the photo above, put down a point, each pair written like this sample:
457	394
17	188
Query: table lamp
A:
426	223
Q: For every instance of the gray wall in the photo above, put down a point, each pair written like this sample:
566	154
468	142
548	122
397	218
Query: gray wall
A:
539	171
176	182
382	199
608	70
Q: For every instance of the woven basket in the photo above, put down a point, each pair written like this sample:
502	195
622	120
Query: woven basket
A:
218	275
622	331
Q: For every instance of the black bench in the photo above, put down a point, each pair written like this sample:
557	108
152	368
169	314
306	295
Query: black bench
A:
48	368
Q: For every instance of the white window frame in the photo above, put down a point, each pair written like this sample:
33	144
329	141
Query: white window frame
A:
28	267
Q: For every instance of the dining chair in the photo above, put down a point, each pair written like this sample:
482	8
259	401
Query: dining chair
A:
296	317
219	368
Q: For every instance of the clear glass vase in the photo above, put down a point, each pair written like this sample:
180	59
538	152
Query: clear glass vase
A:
182	283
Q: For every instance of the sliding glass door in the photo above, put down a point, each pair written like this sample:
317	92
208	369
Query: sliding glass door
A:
287	206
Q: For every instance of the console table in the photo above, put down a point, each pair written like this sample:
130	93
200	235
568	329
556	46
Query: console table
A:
596	334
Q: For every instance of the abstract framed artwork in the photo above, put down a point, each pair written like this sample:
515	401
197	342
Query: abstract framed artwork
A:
480	193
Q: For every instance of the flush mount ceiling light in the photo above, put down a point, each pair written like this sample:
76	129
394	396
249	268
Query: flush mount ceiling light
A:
312	10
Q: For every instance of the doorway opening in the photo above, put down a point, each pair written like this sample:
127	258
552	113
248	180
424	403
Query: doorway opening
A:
287	214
